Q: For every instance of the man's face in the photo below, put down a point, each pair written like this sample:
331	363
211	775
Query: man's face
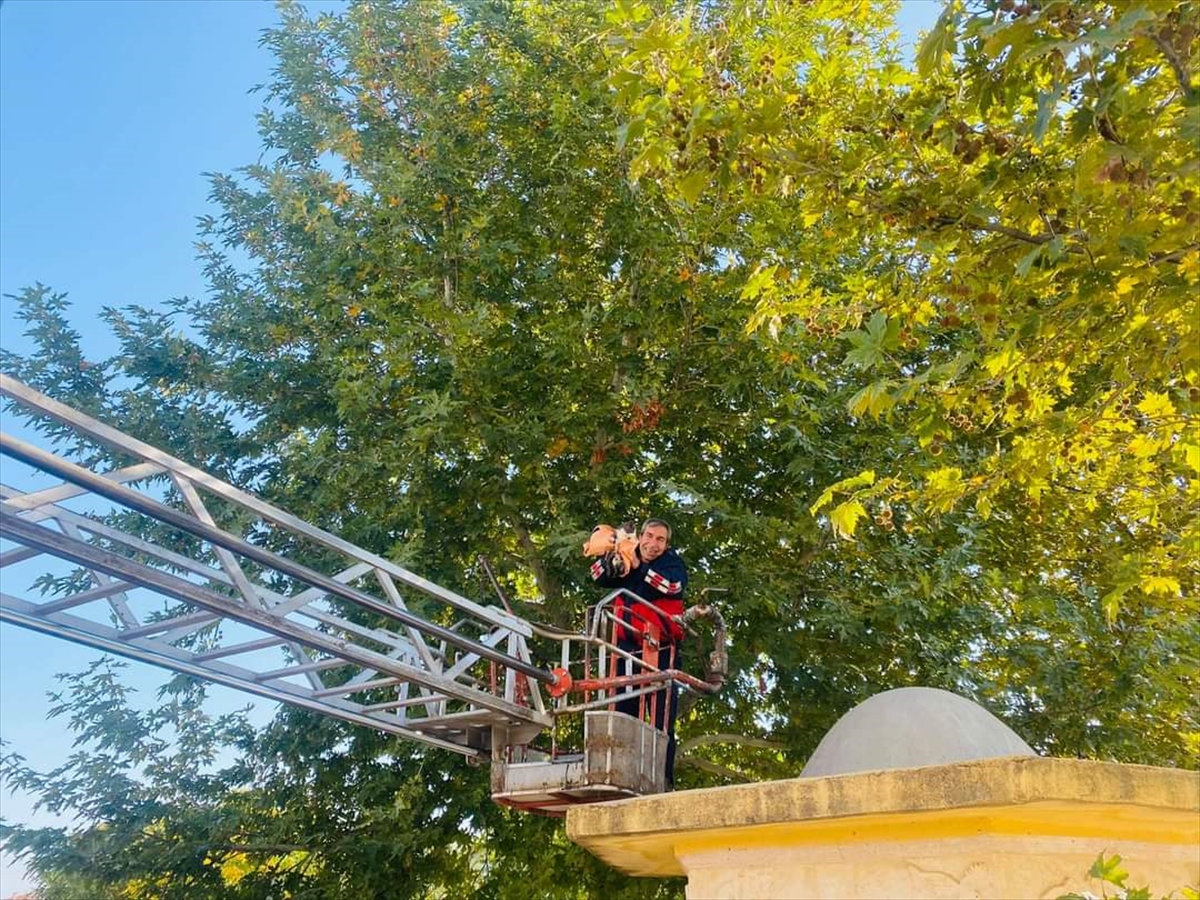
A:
653	542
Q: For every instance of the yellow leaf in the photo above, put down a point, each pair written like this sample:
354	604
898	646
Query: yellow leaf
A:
1160	584
944	487
1125	285
874	399
1144	447
844	518
1040	404
762	280
862	479
349	145
926	313
1190	454
1035	487
1136	322
1156	405
1189	266
1002	361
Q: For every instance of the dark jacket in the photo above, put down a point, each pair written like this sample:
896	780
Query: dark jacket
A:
661	582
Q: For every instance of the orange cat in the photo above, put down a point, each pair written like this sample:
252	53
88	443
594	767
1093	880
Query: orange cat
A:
605	539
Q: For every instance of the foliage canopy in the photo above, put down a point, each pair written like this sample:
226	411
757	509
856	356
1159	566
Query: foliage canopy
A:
909	359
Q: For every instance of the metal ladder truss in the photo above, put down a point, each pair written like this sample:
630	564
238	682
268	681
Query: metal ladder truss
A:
154	577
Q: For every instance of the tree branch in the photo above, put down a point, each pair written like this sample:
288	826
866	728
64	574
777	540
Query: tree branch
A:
1182	76
713	769
1014	233
701	740
551	589
1174	255
274	849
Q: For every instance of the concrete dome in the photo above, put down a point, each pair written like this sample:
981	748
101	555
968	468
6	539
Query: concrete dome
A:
912	727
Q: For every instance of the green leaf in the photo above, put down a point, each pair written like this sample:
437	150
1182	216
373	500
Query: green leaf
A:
651	156
873	400
769	113
630	131
1123	30
692	186
1026	262
1109	870
1047	101
1110	605
548	348
939	44
871	344
1189	126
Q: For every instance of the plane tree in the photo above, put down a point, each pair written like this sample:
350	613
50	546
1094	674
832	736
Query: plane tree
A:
907	358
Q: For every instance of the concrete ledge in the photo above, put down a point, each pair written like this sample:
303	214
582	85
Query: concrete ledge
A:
890	815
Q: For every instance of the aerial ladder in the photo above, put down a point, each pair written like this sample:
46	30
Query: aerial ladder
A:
172	566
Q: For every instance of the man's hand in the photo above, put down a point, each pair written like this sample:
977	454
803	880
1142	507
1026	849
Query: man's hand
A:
613	565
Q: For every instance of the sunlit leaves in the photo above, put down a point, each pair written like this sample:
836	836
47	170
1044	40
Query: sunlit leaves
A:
943	488
844	517
1068	300
1002	252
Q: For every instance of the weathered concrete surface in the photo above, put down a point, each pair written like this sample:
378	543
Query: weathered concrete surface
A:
1003	828
908	727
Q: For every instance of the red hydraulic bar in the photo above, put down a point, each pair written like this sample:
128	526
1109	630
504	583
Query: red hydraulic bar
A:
564	683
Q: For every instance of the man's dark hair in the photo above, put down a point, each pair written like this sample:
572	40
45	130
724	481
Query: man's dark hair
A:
662	523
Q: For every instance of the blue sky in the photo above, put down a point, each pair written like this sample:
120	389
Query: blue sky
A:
109	114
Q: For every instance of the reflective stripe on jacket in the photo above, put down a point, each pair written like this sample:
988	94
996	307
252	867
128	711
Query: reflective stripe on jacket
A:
661	583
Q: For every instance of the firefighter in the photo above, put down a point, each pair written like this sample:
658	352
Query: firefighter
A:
659	579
